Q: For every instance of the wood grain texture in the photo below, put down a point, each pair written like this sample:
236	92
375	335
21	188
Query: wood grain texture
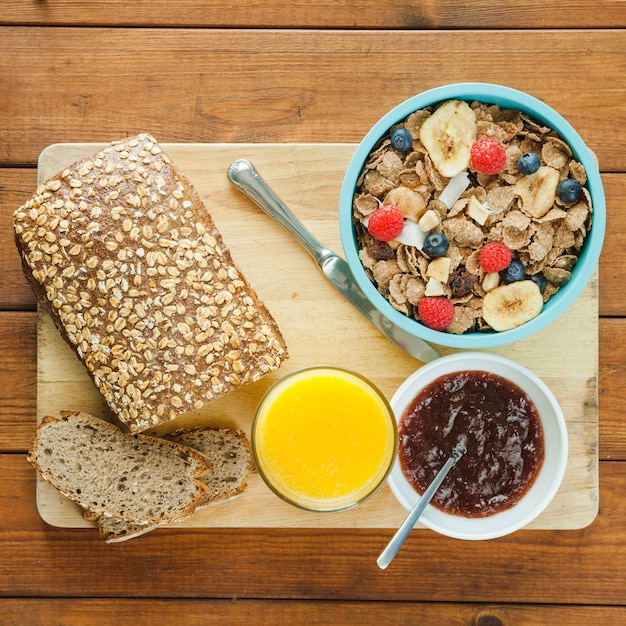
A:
147	611
18	388
392	14
612	430
577	567
286	86
612	265
16	186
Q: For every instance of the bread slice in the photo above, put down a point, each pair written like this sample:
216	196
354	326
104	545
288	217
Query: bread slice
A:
123	255
135	478
115	530
229	453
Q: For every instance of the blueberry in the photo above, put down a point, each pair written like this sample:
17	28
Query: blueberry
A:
435	245
569	190
401	139
514	272
528	163
540	280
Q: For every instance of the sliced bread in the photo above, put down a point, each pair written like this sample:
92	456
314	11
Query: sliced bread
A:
134	478
230	456
115	530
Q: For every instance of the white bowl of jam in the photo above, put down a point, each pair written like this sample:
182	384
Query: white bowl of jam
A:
512	429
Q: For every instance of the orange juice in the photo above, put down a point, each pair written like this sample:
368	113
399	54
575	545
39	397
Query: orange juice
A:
324	438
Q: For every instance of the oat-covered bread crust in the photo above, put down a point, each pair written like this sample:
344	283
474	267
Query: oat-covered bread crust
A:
135	478
124	256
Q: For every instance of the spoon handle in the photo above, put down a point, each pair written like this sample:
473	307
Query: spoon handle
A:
402	533
245	177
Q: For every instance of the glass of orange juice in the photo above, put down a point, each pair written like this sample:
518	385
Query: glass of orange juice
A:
324	438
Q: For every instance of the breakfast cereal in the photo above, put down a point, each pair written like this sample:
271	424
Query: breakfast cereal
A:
474	173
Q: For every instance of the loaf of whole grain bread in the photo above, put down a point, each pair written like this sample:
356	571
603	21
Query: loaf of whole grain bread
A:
229	454
122	253
131	477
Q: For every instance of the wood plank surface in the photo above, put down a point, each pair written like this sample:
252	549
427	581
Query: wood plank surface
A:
16	186
286	85
391	14
307	71
308	179
105	611
613	257
578	567
18	376
612	429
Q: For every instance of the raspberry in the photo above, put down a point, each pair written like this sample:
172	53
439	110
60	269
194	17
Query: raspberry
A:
386	223
495	257
487	155
436	312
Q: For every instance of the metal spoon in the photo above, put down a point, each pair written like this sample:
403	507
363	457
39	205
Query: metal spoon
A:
402	533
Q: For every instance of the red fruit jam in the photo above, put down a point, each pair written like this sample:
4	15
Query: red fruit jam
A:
499	426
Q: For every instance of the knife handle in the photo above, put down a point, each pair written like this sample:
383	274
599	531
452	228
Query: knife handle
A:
244	176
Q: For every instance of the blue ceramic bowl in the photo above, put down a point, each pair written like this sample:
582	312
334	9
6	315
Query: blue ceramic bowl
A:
506	98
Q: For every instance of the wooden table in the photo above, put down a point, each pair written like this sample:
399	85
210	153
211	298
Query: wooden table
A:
307	72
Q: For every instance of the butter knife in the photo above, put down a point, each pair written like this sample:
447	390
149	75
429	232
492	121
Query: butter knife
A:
244	176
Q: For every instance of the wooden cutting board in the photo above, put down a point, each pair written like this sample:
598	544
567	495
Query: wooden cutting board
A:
320	327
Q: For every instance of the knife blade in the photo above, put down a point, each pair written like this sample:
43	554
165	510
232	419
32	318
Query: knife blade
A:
244	176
